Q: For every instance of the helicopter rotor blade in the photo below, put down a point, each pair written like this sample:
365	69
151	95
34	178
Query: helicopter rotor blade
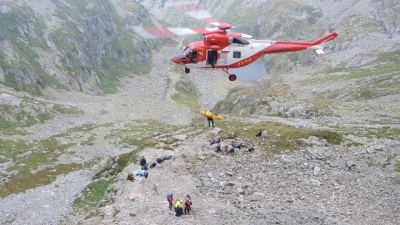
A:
167	32
198	12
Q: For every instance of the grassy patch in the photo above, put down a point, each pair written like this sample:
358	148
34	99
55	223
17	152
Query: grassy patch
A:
41	153
385	63
9	128
140	134
67	109
384	132
11	149
398	167
187	95
19	184
30	112
286	140
354	144
92	194
90	140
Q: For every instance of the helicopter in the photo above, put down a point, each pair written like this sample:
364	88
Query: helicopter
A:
221	48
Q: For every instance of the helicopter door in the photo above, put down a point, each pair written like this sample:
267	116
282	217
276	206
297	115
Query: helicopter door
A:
212	57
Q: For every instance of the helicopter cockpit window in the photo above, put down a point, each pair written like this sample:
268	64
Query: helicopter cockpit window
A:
193	56
187	52
238	40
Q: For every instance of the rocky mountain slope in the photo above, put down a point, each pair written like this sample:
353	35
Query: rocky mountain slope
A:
357	78
71	45
82	97
321	182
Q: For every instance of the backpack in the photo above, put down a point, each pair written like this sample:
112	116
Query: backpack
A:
142	161
131	177
168	196
167	157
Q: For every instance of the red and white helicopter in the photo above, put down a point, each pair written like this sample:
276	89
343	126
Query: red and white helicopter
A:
221	48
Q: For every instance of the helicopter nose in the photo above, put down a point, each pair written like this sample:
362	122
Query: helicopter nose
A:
177	59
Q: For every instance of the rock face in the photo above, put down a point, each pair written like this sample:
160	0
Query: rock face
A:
81	45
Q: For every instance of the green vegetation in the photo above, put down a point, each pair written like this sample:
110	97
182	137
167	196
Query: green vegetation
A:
26	58
20	183
31	156
354	144
286	140
386	62
92	195
187	95
67	109
9	128
28	113
387	162
140	134
398	167
381	74
123	60
127	54
90	140
385	132
278	15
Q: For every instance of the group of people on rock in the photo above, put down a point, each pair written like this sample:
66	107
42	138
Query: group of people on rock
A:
145	167
231	147
178	204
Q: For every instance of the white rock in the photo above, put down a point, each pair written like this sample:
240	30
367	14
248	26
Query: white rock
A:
264	133
315	182
379	147
285	159
317	169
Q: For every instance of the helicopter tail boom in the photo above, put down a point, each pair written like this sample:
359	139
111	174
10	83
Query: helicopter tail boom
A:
291	46
326	38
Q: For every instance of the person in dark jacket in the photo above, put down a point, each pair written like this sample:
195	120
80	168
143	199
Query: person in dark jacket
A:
142	161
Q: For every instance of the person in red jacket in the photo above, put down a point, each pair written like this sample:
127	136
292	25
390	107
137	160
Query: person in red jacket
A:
170	200
188	203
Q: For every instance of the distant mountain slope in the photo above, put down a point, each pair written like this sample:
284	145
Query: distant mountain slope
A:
82	45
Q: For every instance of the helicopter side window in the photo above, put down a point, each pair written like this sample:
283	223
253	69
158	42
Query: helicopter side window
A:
237	54
238	40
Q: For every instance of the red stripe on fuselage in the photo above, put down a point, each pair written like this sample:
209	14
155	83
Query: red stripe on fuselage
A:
159	32
242	63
